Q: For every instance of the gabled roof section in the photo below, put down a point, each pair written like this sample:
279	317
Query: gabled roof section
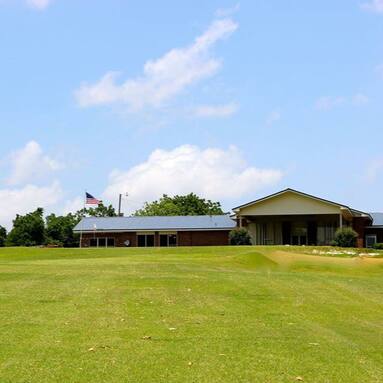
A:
353	212
156	223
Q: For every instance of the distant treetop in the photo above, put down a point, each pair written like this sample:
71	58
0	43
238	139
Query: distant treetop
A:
189	204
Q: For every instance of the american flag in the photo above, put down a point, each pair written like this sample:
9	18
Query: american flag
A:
90	200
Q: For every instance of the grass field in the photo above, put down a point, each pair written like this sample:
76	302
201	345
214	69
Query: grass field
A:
222	314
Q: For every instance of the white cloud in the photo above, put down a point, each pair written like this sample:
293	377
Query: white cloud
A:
225	12
25	200
71	206
273	117
30	163
226	110
212	173
328	103
38	4
374	169
373	6
162	79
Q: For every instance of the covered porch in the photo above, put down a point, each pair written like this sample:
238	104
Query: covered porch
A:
293	230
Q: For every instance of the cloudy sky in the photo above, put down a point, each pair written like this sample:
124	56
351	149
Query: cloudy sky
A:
228	100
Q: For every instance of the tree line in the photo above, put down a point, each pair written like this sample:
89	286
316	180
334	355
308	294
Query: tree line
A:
33	229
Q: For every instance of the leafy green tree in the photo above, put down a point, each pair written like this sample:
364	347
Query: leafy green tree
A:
3	236
28	230
189	204
59	230
100	211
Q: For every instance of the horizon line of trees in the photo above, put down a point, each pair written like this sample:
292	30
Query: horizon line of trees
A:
32	229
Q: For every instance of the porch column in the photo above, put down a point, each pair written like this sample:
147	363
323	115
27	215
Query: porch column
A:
240	221
340	220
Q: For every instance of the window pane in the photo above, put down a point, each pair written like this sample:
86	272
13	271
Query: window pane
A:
370	240
93	242
163	240
141	240
110	242
150	240
172	240
101	242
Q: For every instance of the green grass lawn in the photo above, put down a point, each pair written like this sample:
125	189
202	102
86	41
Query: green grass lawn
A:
222	314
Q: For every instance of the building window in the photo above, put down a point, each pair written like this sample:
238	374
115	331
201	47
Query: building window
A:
371	240
163	240
93	242
168	240
145	240
172	239
102	242
110	242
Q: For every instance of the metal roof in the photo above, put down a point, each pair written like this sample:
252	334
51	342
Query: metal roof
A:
182	223
377	219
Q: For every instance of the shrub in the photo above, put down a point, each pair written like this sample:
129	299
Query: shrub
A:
378	246
239	237
50	242
345	237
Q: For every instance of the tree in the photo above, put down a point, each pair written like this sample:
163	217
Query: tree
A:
3	236
100	211
189	204
59	230
28	230
239	236
345	237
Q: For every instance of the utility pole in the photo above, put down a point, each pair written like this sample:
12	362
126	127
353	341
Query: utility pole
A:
119	204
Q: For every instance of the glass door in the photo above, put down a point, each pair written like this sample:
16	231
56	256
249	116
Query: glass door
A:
299	234
145	240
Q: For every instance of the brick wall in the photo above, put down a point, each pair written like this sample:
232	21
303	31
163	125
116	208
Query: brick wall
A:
359	224
119	238
185	238
203	238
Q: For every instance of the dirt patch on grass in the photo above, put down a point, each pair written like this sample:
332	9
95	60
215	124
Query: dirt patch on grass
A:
286	258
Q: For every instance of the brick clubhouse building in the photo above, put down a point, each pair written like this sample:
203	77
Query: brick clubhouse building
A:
155	231
288	217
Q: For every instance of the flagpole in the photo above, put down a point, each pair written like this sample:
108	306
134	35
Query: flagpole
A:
82	217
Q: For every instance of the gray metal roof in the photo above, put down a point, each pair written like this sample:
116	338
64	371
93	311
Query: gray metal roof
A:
190	222
377	219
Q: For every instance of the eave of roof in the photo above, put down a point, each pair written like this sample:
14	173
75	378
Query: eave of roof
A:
151	230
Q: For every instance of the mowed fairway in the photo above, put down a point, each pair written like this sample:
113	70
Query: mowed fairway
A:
222	314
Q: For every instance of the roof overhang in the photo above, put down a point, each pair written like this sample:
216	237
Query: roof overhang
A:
151	230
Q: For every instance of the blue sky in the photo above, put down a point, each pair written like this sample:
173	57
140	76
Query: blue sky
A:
229	100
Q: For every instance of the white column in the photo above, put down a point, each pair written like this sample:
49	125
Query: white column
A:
340	220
